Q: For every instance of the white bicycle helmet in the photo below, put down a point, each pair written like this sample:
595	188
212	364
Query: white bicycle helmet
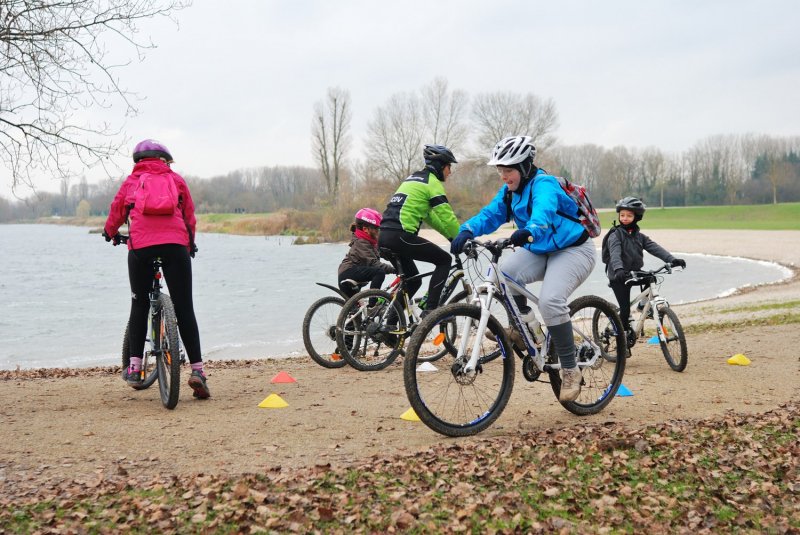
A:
512	150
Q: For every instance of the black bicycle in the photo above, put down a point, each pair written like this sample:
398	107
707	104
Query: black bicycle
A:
319	326
163	356
374	324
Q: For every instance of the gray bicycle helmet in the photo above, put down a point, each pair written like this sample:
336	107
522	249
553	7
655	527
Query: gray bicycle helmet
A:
438	153
633	204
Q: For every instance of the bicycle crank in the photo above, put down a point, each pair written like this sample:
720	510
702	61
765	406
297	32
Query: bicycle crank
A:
529	370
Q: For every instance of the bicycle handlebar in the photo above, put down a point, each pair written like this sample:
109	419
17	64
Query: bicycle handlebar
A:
664	269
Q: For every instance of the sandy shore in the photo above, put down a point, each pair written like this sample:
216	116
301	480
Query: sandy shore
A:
68	423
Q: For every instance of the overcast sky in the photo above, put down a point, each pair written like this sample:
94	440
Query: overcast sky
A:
234	85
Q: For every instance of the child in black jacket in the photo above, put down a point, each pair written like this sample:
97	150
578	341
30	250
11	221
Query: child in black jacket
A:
626	246
362	262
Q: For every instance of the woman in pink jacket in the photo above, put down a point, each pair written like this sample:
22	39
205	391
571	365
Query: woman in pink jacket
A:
158	206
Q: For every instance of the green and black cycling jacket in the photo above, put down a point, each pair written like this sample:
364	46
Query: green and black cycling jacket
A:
421	197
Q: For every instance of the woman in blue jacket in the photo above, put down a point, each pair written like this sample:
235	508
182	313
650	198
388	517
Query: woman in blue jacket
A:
551	248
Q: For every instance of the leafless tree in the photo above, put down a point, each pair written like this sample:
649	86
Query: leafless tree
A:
55	62
581	163
780	173
395	136
444	115
497	115
330	133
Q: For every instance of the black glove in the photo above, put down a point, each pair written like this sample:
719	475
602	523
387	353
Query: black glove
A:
116	239
193	250
521	237
458	243
678	262
619	276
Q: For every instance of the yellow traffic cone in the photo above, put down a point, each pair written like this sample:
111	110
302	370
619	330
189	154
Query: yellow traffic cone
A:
273	401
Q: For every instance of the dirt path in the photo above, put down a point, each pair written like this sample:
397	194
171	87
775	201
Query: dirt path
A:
72	423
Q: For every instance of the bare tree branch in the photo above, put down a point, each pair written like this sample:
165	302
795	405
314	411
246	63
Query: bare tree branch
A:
498	115
54	63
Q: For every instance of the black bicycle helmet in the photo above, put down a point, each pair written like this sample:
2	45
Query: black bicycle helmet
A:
438	153
633	204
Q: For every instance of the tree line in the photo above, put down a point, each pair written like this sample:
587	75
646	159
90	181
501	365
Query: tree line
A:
721	169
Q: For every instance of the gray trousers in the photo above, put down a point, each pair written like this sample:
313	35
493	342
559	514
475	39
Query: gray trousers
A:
561	272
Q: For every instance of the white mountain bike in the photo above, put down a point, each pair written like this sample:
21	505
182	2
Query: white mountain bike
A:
466	391
664	325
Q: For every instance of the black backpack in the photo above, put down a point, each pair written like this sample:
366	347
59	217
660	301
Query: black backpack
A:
605	254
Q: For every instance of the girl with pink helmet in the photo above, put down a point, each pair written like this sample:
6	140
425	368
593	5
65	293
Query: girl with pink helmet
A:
362	262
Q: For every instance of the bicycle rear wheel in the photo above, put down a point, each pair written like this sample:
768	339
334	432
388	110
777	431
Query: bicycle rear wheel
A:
445	398
362	334
447	328
605	332
149	364
673	346
601	381
168	359
319	332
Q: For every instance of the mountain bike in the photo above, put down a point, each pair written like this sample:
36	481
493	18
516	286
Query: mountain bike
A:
380	321
666	327
163	355
467	390
319	326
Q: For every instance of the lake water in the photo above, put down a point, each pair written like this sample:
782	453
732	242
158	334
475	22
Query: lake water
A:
65	293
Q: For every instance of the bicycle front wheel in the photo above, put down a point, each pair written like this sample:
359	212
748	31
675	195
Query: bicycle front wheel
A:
445	397
369	337
168	359
319	332
149	364
600	380
673	344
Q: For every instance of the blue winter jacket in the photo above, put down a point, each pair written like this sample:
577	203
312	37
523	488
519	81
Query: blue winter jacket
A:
550	230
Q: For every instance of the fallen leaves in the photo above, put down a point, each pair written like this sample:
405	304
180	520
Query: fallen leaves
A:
738	472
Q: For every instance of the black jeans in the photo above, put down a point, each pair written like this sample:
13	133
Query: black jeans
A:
177	269
410	247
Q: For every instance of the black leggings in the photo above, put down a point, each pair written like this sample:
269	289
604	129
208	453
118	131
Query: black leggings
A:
622	292
373	275
177	269
410	247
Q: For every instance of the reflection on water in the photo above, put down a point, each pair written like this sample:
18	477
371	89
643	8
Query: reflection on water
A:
66	295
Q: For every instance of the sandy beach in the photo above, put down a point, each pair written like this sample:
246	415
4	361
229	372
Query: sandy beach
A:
72	423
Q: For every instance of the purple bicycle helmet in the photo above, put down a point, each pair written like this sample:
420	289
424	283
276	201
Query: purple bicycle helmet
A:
150	148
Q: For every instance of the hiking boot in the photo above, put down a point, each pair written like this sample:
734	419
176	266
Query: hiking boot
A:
570	384
134	379
197	382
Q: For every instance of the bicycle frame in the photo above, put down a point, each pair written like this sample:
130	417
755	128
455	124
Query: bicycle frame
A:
651	300
399	284
500	284
155	310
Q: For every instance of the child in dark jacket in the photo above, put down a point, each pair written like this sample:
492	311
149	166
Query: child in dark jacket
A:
362	262
626	246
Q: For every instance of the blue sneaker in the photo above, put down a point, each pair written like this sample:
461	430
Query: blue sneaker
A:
197	382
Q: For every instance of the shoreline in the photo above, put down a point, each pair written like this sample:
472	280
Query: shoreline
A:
781	248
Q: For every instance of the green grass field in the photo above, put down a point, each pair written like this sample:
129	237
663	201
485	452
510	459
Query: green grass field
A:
751	217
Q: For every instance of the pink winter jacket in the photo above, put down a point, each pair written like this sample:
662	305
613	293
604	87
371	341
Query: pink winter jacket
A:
147	230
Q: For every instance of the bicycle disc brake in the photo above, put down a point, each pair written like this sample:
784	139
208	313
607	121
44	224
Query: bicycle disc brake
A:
461	377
